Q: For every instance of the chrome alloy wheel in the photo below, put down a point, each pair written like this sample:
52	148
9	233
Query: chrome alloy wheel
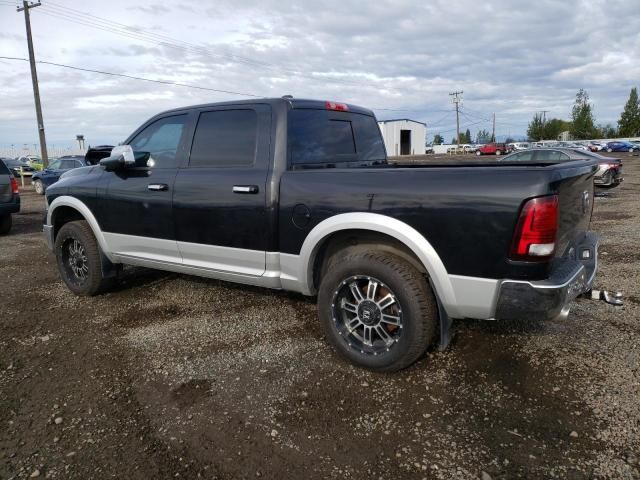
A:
76	259
367	315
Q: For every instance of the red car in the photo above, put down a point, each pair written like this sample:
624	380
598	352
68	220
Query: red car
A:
493	149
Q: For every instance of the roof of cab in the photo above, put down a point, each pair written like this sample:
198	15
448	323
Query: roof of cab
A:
292	102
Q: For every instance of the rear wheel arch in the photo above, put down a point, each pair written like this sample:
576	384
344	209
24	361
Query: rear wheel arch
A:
366	230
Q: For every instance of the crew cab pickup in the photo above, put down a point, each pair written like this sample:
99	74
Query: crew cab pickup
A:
493	149
298	195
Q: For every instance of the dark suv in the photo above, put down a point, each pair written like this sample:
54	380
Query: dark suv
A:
9	198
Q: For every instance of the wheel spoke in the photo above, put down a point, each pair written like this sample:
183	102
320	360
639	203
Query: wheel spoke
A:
367	336
349	307
371	290
355	291
391	319
353	324
384	335
386	301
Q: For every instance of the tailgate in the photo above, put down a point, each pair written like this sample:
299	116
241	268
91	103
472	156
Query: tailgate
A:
575	196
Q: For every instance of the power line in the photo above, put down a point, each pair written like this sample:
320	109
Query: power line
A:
133	77
163	82
121	29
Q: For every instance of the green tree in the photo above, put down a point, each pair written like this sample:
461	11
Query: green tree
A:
554	127
535	131
607	131
583	125
629	123
467	136
438	139
453	141
483	136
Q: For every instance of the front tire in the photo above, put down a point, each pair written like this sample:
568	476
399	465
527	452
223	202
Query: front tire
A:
609	150
38	187
478	152
498	153
78	257
377	310
5	223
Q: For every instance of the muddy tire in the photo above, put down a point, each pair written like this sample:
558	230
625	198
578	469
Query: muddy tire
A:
377	310
5	223
38	186
78	257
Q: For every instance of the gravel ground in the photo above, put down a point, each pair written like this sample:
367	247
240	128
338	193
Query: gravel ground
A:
176	376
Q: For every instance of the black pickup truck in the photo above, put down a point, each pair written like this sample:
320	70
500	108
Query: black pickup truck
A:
298	195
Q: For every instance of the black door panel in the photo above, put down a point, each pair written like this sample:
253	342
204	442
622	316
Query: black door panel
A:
230	150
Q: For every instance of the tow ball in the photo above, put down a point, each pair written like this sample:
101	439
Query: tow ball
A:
605	296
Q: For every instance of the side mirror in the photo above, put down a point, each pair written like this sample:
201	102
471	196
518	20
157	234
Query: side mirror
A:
126	152
112	163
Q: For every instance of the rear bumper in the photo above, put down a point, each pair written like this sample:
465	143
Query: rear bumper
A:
546	299
12	206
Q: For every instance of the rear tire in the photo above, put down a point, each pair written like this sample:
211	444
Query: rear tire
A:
5	223
609	150
38	187
478	152
78	257
631	150
498	153
395	305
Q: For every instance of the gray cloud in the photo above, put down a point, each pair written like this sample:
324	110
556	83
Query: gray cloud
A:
404	55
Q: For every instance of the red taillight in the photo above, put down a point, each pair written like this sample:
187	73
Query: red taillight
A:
341	107
14	186
535	235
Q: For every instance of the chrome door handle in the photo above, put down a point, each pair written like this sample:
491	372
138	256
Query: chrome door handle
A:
158	187
245	189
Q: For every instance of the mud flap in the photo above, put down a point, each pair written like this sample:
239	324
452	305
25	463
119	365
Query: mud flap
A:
109	269
446	324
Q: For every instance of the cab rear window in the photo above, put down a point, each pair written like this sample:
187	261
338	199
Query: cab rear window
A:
319	137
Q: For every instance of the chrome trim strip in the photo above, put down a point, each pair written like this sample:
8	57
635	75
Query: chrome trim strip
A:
156	249
225	259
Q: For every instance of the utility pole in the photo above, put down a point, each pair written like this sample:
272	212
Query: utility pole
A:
493	135
457	99
544	116
26	6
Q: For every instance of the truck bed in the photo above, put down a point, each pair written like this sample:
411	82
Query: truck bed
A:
466	210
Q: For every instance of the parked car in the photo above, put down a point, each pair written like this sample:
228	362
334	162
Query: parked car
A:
9	198
17	167
298	195
514	147
596	146
51	174
609	173
493	149
33	161
622	147
470	148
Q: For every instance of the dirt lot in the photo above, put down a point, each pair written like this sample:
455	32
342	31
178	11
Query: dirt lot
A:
175	376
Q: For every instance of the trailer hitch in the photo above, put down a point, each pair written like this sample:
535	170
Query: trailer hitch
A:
611	299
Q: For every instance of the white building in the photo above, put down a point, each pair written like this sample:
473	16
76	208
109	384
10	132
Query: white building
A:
403	136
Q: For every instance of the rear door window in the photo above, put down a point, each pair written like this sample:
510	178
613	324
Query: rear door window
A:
321	136
225	138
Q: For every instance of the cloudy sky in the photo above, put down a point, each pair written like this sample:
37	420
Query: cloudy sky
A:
401	58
